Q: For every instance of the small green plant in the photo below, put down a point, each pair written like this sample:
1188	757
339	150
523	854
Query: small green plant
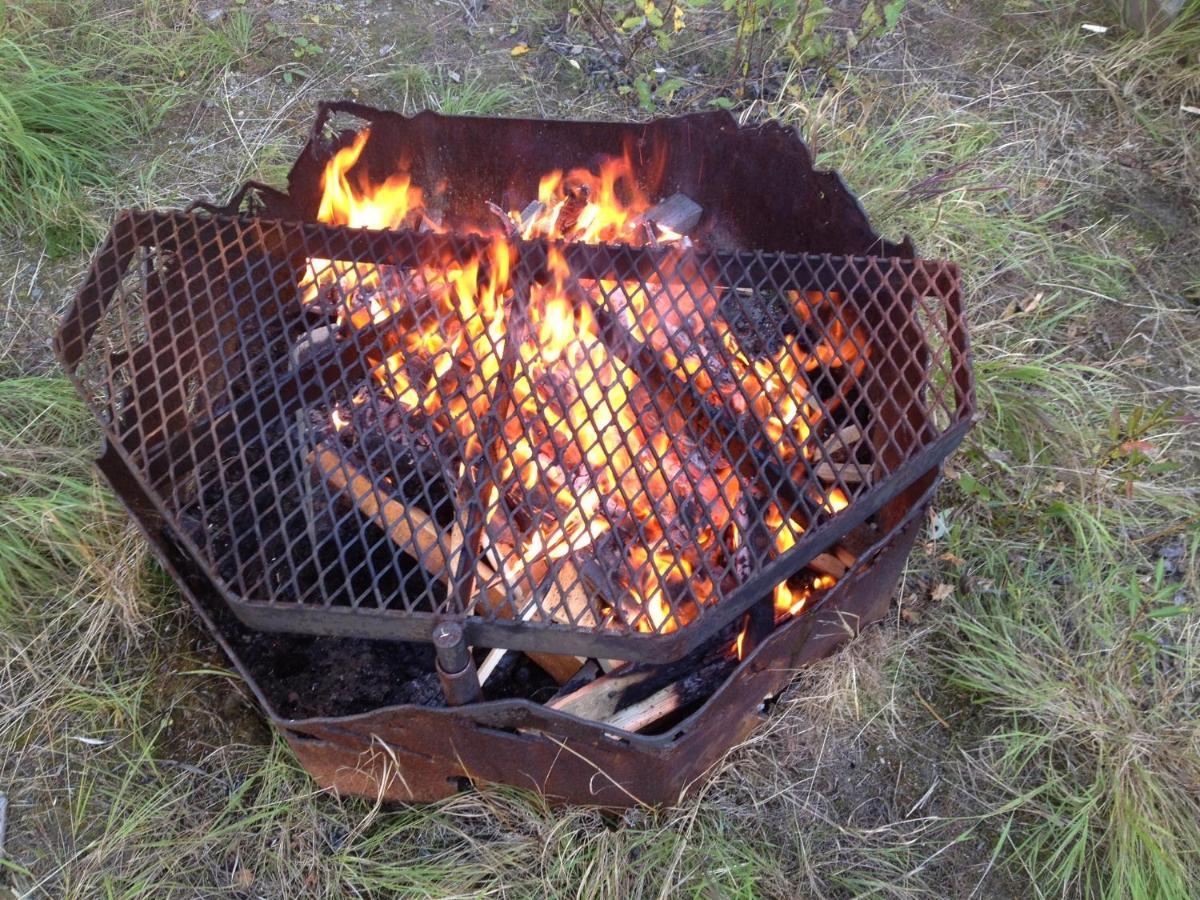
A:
302	47
1130	450
622	30
769	35
765	28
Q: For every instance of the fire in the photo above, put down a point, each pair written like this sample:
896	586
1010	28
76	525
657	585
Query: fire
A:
582	440
361	204
587	206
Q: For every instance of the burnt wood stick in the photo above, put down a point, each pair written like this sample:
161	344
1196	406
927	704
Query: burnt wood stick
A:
415	533
509	226
602	698
692	687
531	212
591	669
278	391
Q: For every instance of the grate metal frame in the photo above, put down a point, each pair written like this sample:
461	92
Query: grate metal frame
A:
183	341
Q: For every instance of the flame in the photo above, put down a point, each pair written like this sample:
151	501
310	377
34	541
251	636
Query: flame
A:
589	207
361	204
579	430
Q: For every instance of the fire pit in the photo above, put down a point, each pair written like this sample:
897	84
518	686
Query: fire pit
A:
524	452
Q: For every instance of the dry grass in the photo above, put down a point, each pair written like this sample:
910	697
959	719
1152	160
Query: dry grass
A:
1036	733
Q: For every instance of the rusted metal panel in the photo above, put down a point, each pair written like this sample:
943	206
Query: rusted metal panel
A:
410	754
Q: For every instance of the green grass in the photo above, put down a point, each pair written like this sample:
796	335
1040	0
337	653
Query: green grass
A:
55	516
60	125
418	87
77	98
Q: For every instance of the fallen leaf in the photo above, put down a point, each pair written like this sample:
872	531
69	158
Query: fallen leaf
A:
1024	306
520	50
941	592
951	558
243	878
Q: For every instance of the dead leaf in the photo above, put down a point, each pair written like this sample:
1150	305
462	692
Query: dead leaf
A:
951	558
1024	306
941	592
519	50
243	878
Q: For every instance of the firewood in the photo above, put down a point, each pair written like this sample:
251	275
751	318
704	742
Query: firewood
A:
629	684
694	686
591	669
571	209
531	213
510	227
410	528
567	599
415	533
849	473
827	564
844	438
678	214
756	465
310	342
844	556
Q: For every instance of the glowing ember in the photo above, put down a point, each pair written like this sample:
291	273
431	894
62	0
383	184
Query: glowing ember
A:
580	431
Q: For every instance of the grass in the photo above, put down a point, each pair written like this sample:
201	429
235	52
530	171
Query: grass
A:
417	87
1033	735
60	125
77	97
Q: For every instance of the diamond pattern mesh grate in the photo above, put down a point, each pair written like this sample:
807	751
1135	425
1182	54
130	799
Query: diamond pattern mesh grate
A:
581	448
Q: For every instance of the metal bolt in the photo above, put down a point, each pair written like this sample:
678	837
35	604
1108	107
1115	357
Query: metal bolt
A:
455	666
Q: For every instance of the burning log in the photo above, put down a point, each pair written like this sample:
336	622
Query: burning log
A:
415	533
754	465
510	227
530	214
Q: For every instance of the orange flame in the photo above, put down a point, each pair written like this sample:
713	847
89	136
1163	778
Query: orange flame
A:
582	431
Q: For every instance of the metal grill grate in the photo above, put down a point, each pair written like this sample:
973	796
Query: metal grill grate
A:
285	394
